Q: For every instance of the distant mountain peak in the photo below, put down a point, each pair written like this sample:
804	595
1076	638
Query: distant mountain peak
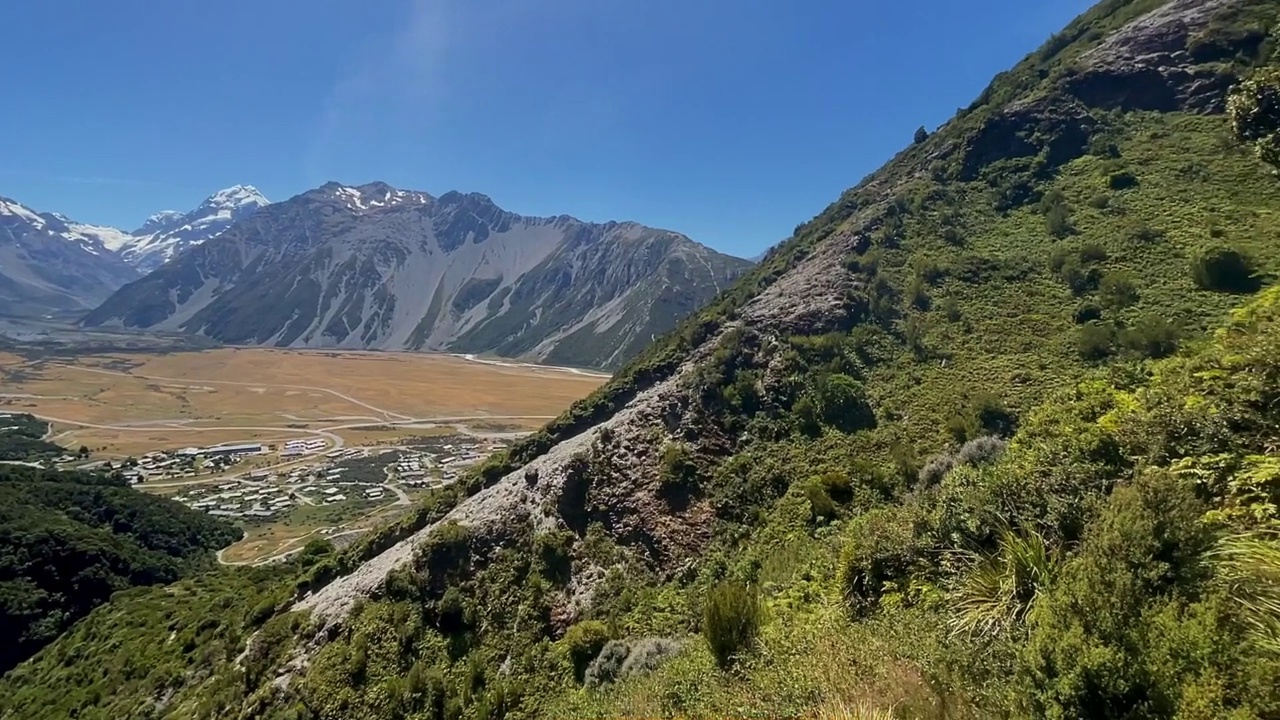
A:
169	232
17	209
372	195
237	196
158	221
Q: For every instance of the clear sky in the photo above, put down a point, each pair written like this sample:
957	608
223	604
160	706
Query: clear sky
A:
728	120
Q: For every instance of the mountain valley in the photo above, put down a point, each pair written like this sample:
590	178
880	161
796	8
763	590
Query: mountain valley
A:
993	435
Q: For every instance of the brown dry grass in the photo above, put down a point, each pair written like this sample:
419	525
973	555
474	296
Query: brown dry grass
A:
269	388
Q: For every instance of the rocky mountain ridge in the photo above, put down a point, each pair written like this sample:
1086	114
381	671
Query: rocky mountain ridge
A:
378	267
49	264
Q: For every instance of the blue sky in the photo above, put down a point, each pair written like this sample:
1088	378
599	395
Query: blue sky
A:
728	120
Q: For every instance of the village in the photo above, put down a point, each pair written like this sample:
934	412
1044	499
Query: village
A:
360	475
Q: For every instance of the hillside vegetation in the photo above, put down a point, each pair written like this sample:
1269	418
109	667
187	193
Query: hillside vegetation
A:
993	436
68	540
22	439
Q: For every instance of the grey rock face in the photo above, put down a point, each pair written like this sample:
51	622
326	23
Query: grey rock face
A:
378	267
1164	61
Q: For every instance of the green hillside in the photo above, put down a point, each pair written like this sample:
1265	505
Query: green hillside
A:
992	436
69	540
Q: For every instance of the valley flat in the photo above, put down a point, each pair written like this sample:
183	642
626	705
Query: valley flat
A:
120	405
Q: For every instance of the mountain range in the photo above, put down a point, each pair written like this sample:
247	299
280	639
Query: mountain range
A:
50	265
53	264
378	267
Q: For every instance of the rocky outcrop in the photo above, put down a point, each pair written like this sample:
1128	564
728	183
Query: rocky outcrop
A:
1159	61
1055	126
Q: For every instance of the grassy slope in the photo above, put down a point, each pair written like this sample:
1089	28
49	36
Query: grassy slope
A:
411	655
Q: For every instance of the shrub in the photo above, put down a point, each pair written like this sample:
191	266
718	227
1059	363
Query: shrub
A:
918	294
981	450
1253	108
951	309
882	550
978	451
1057	214
1100	202
731	620
821	506
1152	336
677	464
913	332
582	643
1118	290
1092	252
921	135
1122	180
647	654
624	659
952	236
1224	269
552	549
1096	341
607	666
1000	588
1144	234
1079	277
1087	312
842	403
983	414
937	469
451	611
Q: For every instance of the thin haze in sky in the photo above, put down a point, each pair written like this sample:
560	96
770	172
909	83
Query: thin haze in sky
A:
727	120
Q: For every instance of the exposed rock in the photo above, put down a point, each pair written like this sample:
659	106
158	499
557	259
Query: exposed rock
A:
1056	125
1148	65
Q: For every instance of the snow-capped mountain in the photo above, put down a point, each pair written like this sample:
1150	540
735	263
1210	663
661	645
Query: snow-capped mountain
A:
94	237
49	263
376	267
166	234
156	222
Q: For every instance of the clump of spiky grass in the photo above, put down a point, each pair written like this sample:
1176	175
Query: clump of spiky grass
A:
1000	586
1250	562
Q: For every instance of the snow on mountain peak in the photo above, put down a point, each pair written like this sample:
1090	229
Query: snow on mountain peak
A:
374	195
168	233
237	196
17	209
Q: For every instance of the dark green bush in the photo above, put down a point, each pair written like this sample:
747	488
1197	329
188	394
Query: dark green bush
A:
1097	340
677	465
981	414
1122	180
1057	214
582	643
1225	269
1087	312
731	620
1092	252
882	550
951	309
1118	290
1151	336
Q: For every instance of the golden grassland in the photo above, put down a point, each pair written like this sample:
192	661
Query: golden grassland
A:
143	402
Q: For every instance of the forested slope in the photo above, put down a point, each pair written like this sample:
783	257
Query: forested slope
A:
69	540
983	439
